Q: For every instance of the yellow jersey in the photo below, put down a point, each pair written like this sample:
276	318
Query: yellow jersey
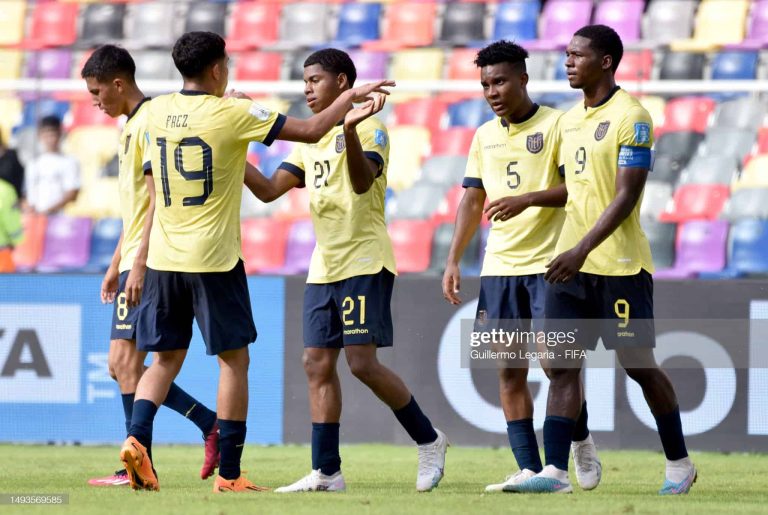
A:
596	142
513	159
351	232
198	146
134	199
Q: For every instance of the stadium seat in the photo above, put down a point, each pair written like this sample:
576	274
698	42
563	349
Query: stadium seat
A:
454	141
93	145
516	21
624	16
661	236
417	64
53	24
718	22
469	113
757	33
412	144
762	140
10	115
154	64
263	241
754	174
449	206
461	64
406	24
417	203
441	246
296	61
147	25
85	113
426	112
254	25
102	23
369	65
206	16
10	64
688	114
666	170
251	207
748	241
727	141
559	20
411	242
303	25
678	146
35	109
697	202
106	234
713	169
463	23
537	65
443	170
12	22
48	64
299	248
655	105
668	20
742	113
295	206
67	244
357	23
701	247
635	65
258	66
682	66
747	203
735	65
656	196
27	254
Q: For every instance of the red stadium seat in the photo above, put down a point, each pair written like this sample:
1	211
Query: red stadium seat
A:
406	24
412	244
53	24
454	141
635	66
254	24
688	114
425	112
697	202
296	206
258	66
27	254
84	113
461	64
446	212
263	242
762	140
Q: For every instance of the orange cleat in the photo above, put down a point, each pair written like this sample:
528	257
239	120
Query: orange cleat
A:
240	484
141	473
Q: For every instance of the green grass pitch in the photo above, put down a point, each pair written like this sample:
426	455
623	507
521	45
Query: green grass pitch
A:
380	479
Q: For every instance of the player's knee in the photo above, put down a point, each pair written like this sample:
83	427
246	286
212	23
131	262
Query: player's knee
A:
513	379
318	369
562	375
641	375
362	367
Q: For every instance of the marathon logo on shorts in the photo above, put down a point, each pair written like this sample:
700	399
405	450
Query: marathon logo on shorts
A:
340	143
602	130
535	142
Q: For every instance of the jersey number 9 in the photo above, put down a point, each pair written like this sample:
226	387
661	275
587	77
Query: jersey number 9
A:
205	175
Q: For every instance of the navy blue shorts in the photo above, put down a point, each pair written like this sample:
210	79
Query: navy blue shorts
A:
618	309
510	300
124	319
219	301
353	311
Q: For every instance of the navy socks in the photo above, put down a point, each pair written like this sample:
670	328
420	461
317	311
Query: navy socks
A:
325	447
522	440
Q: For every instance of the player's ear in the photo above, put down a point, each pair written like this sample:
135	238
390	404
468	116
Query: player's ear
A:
342	81
119	84
607	62
524	79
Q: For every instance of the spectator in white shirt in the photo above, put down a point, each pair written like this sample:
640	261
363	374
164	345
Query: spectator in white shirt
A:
52	179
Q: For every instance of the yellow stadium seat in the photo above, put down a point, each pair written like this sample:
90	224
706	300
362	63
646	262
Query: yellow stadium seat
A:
718	22
10	115
99	198
419	64
94	147
408	144
12	22
655	106
10	64
754	175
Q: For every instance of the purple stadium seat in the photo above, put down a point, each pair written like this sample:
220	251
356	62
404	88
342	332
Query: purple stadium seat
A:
298	251
623	15
67	244
370	65
757	32
48	64
559	20
701	246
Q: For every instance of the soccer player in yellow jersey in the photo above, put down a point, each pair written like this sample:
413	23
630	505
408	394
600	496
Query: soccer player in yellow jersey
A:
109	76
513	162
602	269
198	142
351	274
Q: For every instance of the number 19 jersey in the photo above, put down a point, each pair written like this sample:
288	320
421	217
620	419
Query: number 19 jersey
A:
198	144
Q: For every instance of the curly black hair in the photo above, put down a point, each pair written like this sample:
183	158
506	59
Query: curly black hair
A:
605	40
334	61
108	62
502	52
194	52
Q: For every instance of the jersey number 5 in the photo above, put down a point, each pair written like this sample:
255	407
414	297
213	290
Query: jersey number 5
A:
513	180
205	175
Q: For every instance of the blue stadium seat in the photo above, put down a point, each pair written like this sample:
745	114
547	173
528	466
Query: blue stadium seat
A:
106	233
735	65
36	109
469	113
517	21
560	71
749	239
358	23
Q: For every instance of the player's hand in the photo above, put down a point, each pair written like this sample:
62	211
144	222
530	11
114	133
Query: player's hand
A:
565	266
363	93
109	285
452	284
236	94
505	208
134	285
363	111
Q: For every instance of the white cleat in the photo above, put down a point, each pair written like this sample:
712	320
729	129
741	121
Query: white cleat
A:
316	481
431	463
515	479
589	470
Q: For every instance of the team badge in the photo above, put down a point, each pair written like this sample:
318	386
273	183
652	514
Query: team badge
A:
602	130
380	138
340	143
535	142
642	133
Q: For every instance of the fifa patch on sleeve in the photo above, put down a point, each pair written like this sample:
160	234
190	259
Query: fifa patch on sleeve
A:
634	157
259	112
642	133
380	138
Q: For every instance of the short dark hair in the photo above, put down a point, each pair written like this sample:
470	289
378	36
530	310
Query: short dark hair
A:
108	62
50	122
335	61
605	40
193	52
502	51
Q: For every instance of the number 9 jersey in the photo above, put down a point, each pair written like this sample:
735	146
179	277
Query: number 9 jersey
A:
509	160
198	145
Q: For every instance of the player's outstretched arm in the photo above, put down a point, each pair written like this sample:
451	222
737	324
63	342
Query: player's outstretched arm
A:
270	189
110	282
468	217
314	128
509	207
629	187
362	171
134	285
